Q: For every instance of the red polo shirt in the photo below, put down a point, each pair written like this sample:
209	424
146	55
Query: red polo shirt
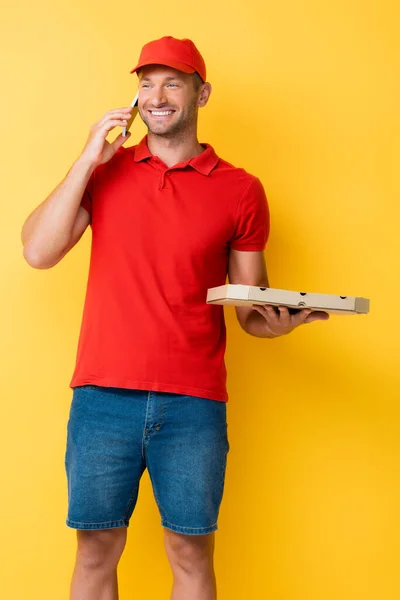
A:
160	238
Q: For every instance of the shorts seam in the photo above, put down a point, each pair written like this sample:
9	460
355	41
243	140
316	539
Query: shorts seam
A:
143	385
198	529
160	508
145	422
131	502
94	525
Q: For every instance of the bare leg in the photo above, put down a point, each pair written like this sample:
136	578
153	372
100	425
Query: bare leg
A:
191	558
97	557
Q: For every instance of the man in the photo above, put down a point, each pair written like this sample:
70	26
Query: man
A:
169	219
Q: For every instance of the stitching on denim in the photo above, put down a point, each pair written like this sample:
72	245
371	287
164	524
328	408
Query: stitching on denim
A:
119	521
162	410
191	528
89	386
133	385
160	507
131	501
145	423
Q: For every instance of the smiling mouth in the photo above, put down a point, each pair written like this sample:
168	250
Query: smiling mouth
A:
161	114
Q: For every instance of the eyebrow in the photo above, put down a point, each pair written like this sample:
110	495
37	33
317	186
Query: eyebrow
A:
167	78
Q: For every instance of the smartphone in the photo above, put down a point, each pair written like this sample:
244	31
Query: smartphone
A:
135	110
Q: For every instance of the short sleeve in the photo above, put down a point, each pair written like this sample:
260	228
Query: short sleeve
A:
252	219
88	194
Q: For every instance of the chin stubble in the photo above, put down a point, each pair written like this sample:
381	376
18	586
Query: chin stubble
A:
176	128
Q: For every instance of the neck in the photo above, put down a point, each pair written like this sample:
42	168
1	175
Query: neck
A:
174	150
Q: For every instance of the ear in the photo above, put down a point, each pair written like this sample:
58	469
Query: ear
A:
204	94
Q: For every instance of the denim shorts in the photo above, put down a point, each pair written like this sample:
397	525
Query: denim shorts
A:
113	434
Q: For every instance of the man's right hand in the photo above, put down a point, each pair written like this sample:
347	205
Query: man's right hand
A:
97	150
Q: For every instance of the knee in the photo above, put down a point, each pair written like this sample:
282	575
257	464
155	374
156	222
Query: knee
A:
100	549
190	554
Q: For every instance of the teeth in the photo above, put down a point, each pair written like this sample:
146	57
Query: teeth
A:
159	113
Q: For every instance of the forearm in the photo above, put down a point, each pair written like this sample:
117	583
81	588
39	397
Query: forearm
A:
47	230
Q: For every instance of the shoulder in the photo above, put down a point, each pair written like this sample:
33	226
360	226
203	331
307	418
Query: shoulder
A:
238	176
246	187
239	183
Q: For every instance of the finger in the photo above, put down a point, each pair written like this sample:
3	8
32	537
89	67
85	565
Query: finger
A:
109	125
113	114
272	315
261	309
257	308
120	140
300	317
269	309
117	115
317	315
123	108
284	316
116	111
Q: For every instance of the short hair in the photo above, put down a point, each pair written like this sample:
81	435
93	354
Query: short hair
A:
197	81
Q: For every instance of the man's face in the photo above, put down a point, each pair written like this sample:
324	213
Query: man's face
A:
168	100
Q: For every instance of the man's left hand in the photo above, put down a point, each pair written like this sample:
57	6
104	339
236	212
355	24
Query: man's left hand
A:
278	320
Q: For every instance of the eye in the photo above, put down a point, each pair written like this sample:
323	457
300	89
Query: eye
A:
174	84
145	85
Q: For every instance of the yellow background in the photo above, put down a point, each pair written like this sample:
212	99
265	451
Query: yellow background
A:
306	96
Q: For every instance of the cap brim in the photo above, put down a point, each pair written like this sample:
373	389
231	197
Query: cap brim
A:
168	63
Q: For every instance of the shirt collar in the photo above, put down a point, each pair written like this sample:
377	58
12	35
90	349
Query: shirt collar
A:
203	163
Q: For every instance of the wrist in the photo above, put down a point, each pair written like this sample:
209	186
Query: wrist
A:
85	163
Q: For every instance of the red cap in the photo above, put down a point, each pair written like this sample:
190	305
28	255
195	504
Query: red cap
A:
178	54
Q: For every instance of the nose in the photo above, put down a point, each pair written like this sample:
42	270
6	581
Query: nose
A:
158	96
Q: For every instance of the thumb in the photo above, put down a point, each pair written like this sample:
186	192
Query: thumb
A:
117	143
317	315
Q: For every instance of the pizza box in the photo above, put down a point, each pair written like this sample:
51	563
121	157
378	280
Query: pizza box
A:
246	295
